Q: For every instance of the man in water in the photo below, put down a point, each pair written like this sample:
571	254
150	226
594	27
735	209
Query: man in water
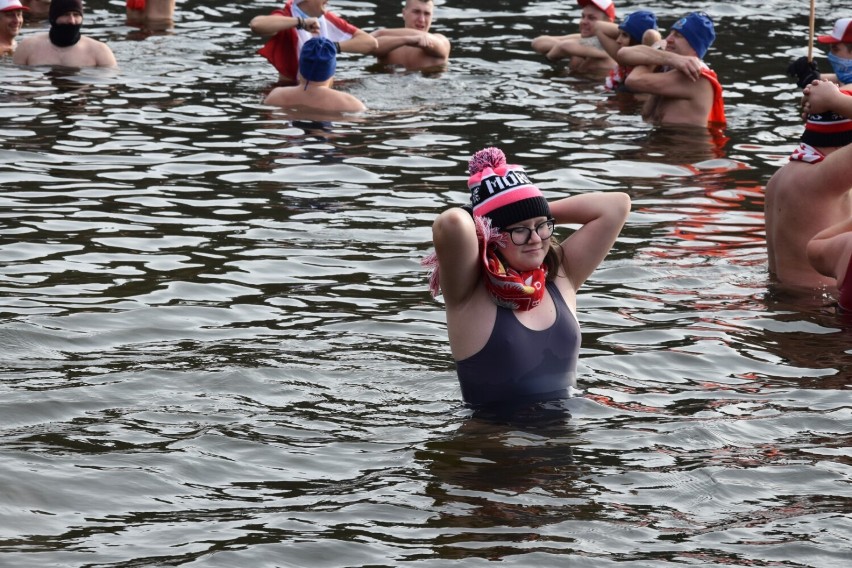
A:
150	11
293	25
11	20
809	200
830	250
63	44
683	89
585	53
317	63
412	46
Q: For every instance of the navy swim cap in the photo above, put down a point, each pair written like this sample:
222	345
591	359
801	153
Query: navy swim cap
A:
637	23
318	59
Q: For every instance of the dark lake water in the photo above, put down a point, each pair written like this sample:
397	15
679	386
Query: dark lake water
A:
217	347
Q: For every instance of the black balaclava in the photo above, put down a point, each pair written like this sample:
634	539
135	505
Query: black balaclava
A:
64	35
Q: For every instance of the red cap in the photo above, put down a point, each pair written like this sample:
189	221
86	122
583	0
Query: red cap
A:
842	32
605	6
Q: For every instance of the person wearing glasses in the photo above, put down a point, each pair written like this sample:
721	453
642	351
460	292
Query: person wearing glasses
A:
510	288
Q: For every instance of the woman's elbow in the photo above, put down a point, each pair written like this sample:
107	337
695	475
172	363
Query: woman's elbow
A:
622	204
451	222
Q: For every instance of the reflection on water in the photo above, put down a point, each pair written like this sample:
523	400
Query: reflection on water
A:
217	346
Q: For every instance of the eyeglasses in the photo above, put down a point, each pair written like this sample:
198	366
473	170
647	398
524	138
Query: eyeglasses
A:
522	235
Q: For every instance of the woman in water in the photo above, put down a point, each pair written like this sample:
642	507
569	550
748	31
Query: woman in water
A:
510	289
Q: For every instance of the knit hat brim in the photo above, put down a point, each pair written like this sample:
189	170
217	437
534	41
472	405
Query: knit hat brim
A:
506	195
518	211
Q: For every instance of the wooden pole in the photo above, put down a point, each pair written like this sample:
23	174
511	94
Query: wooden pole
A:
811	31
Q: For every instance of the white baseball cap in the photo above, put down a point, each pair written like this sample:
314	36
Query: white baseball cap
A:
842	32
9	5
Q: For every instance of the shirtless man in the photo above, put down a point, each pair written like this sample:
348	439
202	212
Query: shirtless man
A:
808	207
295	23
584	50
63	45
317	63
683	89
412	46
11	20
153	11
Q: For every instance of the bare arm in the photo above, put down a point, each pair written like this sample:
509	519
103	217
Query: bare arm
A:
438	46
543	44
670	84
457	248
602	215
389	39
643	55
830	249
607	33
575	48
104	56
274	23
22	53
361	42
434	45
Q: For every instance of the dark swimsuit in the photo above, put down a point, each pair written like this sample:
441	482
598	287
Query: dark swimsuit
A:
519	364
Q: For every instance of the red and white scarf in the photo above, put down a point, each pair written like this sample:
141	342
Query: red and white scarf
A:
807	153
507	287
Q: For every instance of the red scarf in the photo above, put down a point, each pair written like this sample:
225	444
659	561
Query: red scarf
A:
507	287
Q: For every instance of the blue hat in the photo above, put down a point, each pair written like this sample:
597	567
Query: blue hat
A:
697	28
637	23
318	59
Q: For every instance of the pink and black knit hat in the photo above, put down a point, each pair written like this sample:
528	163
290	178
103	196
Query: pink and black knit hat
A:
503	192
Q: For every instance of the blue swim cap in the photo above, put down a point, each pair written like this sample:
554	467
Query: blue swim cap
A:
318	59
637	23
697	28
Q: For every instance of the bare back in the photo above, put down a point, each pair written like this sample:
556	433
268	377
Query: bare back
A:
88	52
315	97
801	200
